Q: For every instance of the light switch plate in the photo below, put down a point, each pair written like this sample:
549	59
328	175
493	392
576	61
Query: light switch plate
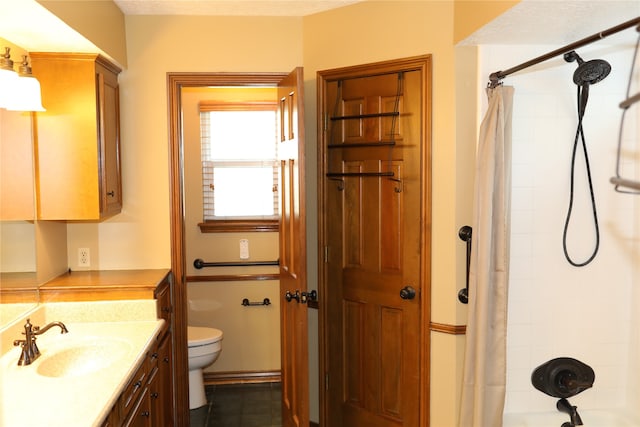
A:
244	248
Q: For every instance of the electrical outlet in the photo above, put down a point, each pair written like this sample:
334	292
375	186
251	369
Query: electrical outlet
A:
244	248
84	259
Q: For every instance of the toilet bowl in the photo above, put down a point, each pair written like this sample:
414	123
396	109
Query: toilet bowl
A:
205	345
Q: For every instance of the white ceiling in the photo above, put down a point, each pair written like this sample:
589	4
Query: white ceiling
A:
229	7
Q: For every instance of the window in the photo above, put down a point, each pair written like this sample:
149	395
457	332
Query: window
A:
239	166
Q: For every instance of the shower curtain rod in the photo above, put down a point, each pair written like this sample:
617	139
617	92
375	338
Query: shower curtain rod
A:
494	78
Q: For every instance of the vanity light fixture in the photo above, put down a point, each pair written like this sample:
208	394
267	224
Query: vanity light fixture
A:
18	91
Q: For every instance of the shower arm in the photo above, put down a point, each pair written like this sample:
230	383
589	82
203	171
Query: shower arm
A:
496	77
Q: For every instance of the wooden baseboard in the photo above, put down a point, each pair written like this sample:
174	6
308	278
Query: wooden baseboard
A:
313	424
241	377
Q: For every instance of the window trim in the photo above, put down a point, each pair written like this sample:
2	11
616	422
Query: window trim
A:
238	225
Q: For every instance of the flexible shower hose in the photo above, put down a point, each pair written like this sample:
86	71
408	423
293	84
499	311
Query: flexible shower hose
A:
580	137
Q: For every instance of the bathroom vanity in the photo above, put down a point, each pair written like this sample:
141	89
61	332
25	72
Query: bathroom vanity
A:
113	367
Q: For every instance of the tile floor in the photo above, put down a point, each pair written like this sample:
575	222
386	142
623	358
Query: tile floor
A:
240	405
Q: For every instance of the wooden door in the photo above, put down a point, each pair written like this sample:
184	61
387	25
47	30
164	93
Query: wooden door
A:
293	275
374	229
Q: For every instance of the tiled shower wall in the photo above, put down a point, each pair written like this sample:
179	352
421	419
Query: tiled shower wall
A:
557	310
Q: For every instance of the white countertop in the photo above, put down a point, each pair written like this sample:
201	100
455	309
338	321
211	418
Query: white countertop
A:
30	399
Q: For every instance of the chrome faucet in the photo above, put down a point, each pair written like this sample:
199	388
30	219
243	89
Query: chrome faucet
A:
30	351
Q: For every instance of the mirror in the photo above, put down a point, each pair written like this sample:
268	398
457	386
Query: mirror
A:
18	279
18	273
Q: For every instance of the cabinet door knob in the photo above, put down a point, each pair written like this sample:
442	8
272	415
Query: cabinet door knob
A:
111	193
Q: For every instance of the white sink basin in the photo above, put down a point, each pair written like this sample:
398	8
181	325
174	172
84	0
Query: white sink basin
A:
82	359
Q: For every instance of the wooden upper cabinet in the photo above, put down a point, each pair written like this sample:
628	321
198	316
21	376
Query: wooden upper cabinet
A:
77	143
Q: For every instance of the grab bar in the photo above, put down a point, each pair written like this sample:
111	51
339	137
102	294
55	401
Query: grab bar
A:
198	263
247	303
465	234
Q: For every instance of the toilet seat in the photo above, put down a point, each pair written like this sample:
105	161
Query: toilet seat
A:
201	336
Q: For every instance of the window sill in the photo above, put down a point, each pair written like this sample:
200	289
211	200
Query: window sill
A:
235	226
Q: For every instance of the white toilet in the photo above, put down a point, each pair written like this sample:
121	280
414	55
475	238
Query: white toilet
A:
205	345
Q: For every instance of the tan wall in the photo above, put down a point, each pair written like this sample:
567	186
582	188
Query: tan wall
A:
101	22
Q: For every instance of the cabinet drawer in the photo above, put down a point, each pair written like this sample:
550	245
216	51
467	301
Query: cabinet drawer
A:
152	365
139	416
134	388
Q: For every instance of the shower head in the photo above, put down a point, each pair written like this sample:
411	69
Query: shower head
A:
589	72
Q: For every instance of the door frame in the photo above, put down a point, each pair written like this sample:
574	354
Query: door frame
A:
417	63
175	83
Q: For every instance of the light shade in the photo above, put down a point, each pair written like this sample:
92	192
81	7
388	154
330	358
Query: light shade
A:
18	92
26	95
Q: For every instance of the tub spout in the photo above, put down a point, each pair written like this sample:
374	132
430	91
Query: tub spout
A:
563	405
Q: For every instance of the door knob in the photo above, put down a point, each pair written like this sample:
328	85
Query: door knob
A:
309	296
289	296
407	292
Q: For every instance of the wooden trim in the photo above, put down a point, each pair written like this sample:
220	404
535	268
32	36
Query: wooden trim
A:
239	226
175	83
313	424
179	288
233	277
238	106
241	377
448	329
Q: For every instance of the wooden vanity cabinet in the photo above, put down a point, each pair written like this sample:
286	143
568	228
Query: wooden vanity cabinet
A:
78	137
147	399
134	402
162	395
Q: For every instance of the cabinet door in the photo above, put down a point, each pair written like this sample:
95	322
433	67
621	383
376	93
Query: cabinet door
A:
109	141
161	389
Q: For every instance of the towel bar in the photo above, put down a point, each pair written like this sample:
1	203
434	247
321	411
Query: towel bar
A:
247	303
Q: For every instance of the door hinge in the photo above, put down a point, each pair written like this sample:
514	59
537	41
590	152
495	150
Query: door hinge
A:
326	381
326	254
325	126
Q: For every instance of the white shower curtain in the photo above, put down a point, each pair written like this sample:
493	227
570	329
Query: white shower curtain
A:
483	388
